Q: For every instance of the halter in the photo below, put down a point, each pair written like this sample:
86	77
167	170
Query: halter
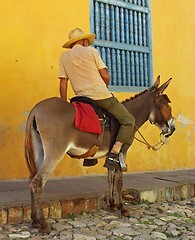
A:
165	110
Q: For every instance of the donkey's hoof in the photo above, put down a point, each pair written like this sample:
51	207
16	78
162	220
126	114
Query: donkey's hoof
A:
36	224
125	212
46	227
114	208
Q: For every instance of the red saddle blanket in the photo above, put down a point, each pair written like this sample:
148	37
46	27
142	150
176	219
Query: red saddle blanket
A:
86	118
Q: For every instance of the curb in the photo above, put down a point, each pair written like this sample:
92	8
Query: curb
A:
62	208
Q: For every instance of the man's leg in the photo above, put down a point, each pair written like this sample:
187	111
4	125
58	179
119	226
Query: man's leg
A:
126	121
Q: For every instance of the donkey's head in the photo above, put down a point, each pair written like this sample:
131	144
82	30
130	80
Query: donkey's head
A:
161	112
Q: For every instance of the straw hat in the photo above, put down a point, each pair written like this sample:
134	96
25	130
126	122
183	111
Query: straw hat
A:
76	35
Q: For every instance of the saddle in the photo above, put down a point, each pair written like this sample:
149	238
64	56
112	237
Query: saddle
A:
89	116
106	122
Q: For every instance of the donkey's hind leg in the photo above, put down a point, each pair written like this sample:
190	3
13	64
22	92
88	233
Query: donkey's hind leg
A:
39	156
38	182
37	215
35	220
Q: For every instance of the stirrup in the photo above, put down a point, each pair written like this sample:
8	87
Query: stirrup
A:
112	161
116	161
122	162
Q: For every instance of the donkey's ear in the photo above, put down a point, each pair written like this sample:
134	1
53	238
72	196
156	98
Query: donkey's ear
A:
157	82
155	85
162	88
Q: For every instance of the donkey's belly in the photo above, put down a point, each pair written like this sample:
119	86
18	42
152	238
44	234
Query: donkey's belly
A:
76	151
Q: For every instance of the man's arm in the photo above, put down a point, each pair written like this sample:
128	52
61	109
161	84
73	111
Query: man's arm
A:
105	75
63	88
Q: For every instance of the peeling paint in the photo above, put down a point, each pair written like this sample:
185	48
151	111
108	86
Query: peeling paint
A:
22	126
26	113
184	120
188	136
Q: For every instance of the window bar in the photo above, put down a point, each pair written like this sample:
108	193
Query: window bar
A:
137	69
112	13
114	67
108	60
98	48
127	26
131	27
107	23
143	3
122	25
102	21
135	28
144	30
146	70
139	2
118	60
133	68
128	68
117	25
92	16
140	28
123	66
103	54
141	64
97	20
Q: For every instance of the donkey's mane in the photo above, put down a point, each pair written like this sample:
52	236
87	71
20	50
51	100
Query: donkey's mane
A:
136	96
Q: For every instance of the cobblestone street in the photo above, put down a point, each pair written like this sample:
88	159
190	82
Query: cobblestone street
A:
169	220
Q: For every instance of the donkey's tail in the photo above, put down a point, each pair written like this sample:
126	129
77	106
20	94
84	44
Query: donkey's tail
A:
29	148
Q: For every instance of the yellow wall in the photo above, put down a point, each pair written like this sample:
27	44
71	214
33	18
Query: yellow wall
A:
32	33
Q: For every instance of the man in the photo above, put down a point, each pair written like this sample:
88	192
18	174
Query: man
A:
89	77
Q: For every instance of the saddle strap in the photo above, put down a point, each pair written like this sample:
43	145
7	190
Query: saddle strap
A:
93	150
90	153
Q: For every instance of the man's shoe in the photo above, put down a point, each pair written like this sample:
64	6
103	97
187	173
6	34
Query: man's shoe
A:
112	161
89	162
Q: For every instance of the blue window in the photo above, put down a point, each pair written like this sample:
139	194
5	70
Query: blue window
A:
123	38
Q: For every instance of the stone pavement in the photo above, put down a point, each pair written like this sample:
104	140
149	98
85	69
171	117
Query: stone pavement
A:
147	221
75	195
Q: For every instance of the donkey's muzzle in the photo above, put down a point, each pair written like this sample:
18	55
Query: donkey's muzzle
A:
170	132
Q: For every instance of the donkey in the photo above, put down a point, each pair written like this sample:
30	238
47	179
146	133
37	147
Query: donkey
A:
51	133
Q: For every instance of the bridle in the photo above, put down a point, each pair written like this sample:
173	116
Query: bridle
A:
154	147
165	110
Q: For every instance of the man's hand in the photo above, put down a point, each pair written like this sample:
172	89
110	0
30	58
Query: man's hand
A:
105	75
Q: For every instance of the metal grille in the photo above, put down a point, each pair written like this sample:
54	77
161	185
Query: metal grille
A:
123	37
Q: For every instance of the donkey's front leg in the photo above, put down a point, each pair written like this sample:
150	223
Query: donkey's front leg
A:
118	186
111	183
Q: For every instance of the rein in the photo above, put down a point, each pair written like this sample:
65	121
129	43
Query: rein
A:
155	147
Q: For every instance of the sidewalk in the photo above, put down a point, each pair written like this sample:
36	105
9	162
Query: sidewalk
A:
62	196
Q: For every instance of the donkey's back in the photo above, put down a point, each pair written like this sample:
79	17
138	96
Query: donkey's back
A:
55	107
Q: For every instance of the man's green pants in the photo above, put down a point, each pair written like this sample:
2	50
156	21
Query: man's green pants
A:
125	119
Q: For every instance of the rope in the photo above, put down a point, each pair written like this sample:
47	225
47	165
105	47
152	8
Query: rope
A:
155	147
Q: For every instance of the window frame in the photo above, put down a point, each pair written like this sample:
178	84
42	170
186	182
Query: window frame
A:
98	43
